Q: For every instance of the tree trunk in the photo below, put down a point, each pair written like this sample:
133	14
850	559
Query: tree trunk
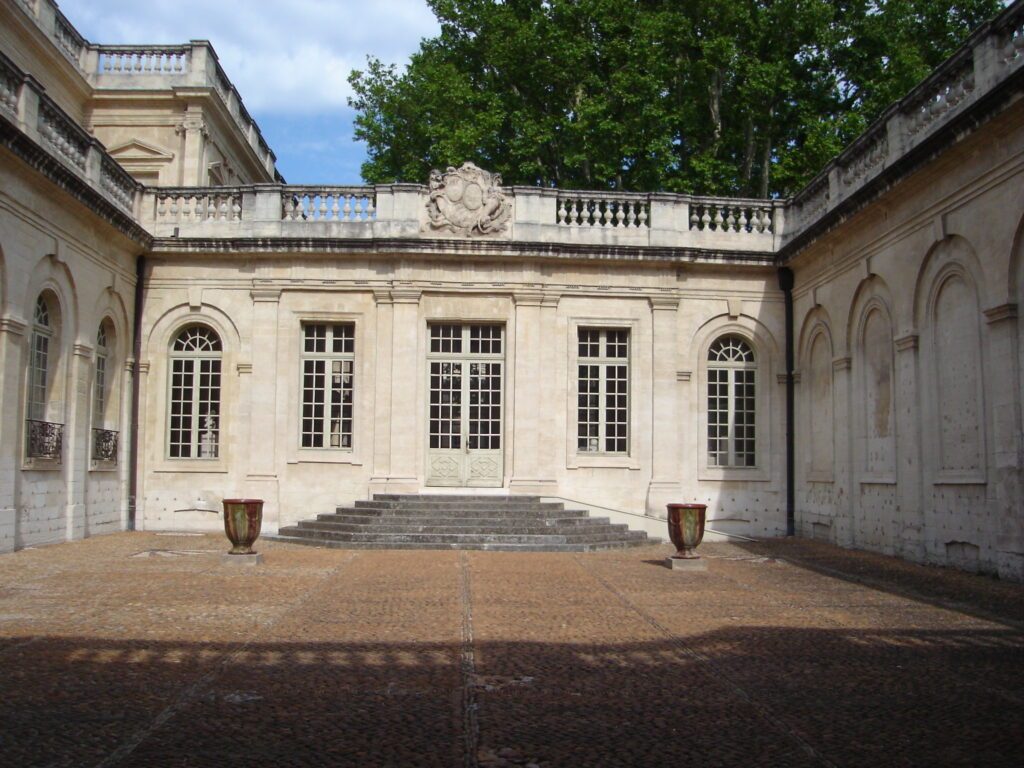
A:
766	165
748	156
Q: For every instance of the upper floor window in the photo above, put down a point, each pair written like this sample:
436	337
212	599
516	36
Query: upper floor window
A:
194	419
100	394
39	361
602	406
328	361
731	403
44	434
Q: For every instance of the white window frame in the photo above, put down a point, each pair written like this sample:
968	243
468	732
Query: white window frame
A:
763	423
37	404
574	458
730	370
100	391
196	430
335	361
598	444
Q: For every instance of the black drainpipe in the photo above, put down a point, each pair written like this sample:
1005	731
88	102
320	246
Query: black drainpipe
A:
786	284
133	458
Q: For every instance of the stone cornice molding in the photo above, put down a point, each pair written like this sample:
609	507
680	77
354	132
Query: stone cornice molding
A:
243	368
550	300
684	375
1000	313
664	303
907	343
463	249
81	350
53	170
12	326
382	296
842	363
142	367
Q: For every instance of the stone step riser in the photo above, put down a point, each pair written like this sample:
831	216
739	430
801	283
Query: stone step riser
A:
488	512
494	522
453	538
454	497
436	505
490	547
460	529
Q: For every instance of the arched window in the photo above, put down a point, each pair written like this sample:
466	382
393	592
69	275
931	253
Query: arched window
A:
104	411
44	435
194	418
731	396
39	362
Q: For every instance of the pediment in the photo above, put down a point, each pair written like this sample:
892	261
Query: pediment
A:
140	150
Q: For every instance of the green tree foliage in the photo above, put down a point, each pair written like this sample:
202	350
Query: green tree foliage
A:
743	97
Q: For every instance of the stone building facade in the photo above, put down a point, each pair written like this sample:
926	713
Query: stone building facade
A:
177	325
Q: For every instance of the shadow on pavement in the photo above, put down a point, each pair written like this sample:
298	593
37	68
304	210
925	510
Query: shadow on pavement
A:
744	696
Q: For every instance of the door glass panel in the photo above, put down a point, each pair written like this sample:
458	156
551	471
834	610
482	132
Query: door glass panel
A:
445	405
484	406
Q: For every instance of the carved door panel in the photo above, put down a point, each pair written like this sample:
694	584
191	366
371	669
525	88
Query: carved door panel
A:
464	420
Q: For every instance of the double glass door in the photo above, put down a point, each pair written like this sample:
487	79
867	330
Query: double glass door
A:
464	369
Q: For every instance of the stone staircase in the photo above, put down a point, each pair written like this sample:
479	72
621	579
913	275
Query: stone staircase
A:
507	523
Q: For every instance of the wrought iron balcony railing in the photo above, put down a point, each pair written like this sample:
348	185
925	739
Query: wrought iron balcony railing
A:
104	445
45	440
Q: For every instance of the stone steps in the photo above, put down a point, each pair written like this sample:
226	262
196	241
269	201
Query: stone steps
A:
489	523
435	521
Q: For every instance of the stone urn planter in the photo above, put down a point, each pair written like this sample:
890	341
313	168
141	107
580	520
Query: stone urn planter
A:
242	521
686	529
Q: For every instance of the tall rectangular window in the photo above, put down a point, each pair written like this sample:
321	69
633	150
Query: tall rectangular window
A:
328	363
194	418
602	412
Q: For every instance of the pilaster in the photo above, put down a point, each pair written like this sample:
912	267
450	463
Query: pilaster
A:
75	461
1004	387
844	492
526	391
261	480
382	391
909	540
142	461
12	334
666	429
404	473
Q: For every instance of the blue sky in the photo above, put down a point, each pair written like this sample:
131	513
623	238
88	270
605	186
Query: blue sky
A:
289	61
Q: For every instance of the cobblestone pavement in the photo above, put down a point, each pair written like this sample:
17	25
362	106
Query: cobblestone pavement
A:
142	649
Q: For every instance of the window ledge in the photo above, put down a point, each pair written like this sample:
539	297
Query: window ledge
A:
735	474
212	467
41	465
326	456
103	466
601	461
954	477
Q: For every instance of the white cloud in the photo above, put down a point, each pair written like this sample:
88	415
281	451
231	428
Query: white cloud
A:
291	57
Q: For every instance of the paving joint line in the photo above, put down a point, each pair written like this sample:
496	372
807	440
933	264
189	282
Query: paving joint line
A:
711	670
192	692
470	705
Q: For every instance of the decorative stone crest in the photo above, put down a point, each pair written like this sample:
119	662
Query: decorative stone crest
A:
467	201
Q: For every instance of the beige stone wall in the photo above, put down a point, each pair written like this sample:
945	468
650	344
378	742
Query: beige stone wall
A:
51	244
909	364
258	303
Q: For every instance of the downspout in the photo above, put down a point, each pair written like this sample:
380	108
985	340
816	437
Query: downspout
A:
786	284
133	457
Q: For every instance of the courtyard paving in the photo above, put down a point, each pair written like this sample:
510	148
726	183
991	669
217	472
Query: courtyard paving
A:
141	649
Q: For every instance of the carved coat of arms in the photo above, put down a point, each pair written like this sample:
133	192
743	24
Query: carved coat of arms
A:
467	201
